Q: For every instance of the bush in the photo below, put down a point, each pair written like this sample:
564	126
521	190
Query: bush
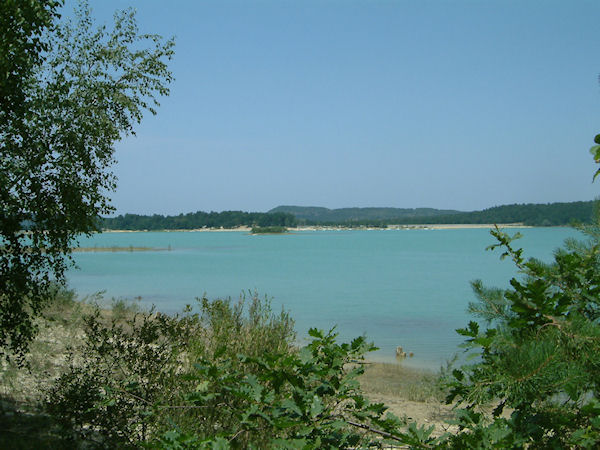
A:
245	327
124	382
122	308
306	399
114	378
539	357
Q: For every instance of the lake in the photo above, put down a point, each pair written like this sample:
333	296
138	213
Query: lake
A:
398	287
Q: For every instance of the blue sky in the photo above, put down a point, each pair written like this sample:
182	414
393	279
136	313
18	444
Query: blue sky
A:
445	104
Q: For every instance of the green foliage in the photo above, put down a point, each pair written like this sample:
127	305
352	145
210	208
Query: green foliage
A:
127	368
22	25
249	326
190	221
269	230
539	357
314	214
306	399
61	305
551	214
73	90
595	151
122	308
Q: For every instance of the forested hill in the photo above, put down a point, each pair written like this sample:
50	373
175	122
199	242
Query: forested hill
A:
548	214
190	221
316	214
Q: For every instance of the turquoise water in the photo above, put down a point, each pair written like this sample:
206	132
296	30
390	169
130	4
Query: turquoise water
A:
399	287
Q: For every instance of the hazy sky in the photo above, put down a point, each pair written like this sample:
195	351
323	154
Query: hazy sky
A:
444	104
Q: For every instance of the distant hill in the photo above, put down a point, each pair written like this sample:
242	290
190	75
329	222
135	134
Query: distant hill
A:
534	214
549	214
318	214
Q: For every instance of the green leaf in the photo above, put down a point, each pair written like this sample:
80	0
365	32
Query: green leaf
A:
316	407
202	386
305	355
220	443
316	333
290	444
471	331
291	406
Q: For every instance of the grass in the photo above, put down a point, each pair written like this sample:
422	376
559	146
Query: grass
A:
395	380
123	308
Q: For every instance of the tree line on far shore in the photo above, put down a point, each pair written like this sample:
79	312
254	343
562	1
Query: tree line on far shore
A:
550	214
200	219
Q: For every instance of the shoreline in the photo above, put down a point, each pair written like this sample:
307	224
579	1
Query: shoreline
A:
442	226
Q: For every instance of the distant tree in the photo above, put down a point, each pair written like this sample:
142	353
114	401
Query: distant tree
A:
224	219
69	91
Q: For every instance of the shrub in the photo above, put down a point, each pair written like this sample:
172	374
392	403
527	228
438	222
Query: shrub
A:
112	381
247	327
123	384
123	308
540	355
306	399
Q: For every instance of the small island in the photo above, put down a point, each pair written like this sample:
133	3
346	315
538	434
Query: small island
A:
268	230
